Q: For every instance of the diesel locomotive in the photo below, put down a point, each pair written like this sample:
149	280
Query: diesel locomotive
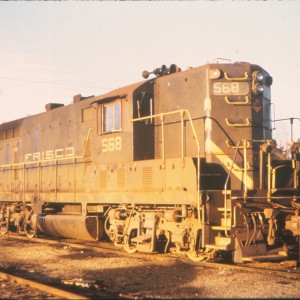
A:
183	161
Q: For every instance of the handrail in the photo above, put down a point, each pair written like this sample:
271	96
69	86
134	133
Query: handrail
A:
237	102
225	186
246	144
236	78
182	112
245	124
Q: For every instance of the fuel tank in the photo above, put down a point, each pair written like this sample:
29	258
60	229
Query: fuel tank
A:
70	226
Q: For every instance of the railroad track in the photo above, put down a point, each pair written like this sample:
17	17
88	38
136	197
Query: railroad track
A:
50	292
285	272
62	294
55	292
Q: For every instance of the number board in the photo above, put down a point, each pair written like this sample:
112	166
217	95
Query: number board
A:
230	88
112	144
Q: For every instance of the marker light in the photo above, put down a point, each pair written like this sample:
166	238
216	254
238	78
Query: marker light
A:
258	89
258	76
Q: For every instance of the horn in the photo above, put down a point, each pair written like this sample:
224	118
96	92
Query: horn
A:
174	69
146	74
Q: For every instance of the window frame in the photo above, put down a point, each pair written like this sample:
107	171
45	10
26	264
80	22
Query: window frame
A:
114	119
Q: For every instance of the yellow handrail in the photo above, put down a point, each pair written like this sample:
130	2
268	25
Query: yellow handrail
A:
246	123
182	112
237	102
236	78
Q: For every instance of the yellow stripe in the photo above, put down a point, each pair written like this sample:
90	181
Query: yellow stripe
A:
227	162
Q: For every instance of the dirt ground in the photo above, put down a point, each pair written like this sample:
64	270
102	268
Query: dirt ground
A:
134	276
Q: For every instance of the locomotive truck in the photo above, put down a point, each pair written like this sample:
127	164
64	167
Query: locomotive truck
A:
183	161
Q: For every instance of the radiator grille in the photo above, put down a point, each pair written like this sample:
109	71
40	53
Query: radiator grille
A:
10	131
121	179
147	177
103	180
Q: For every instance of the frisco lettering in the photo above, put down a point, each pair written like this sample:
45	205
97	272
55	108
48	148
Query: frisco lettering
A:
50	154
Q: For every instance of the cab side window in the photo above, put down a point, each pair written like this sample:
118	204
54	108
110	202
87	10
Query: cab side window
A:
111	116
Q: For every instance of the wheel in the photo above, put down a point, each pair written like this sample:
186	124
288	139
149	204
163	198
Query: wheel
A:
194	256
4	225
130	249
31	225
129	245
109	233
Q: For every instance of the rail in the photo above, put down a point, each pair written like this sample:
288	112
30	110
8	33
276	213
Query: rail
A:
182	113
62	294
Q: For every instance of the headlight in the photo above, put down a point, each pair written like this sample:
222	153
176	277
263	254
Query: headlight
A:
258	89
258	76
214	73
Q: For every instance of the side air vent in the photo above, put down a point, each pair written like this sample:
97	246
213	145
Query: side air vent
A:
11	130
103	180
121	179
147	176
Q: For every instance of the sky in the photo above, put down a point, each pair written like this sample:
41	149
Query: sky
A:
51	51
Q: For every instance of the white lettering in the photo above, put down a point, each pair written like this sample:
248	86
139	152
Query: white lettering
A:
36	156
230	88
28	157
70	151
59	153
217	88
50	154
112	144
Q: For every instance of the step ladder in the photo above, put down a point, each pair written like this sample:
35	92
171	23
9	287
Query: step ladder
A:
224	241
